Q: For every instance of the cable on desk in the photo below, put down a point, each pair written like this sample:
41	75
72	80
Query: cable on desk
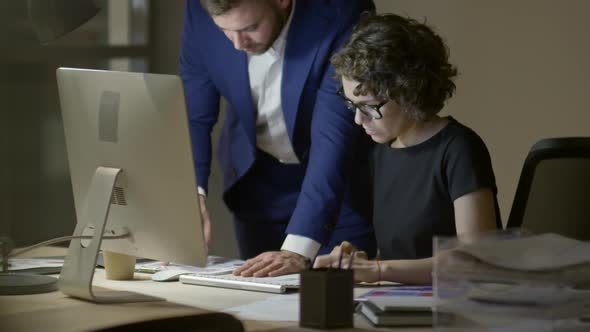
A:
6	254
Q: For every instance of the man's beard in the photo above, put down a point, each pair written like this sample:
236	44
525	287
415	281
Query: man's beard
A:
257	49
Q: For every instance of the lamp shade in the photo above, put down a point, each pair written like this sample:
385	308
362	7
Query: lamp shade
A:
55	18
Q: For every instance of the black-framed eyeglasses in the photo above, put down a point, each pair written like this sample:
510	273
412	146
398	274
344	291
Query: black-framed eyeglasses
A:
372	111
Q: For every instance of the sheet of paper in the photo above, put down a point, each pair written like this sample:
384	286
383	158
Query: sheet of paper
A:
215	265
527	294
403	303
274	308
532	253
400	298
397	291
39	265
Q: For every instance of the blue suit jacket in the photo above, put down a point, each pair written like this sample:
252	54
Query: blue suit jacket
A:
321	129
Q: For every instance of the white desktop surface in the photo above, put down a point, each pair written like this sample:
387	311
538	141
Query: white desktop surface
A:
57	312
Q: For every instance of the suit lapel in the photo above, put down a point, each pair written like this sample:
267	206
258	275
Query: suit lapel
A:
239	93
301	49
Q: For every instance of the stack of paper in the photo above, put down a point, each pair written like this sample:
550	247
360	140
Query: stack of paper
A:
541	277
532	253
540	270
171	271
398	306
49	265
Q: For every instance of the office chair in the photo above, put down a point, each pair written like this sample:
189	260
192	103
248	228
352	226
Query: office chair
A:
554	189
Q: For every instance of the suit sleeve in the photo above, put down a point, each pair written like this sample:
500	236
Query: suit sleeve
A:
201	96
334	138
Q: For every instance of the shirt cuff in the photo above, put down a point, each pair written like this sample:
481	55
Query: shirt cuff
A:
301	245
201	191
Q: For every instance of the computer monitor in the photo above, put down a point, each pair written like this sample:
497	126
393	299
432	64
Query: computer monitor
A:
132	171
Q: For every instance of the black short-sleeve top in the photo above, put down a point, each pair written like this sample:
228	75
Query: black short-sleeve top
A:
414	189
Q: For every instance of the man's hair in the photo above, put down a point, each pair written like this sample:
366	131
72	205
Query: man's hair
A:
218	7
400	59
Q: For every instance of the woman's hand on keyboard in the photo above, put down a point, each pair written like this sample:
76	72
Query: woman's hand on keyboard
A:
272	264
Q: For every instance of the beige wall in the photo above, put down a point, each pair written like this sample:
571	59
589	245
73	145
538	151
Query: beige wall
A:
524	72
166	38
523	77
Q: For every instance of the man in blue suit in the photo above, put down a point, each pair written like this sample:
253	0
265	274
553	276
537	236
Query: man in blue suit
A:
288	145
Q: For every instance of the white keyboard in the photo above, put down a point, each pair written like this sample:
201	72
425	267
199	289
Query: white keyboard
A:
278	284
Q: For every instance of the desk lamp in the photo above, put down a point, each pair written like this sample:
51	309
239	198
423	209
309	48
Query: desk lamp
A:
51	19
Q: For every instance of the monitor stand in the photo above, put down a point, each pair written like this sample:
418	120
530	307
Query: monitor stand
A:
78	271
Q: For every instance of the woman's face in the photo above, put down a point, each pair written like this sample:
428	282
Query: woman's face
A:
393	123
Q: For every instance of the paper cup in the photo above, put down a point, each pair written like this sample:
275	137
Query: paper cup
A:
118	266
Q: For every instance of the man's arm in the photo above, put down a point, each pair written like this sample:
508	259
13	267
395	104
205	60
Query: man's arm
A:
334	137
333	141
202	97
202	101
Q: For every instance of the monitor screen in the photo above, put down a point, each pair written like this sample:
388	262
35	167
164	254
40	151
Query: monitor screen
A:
136	123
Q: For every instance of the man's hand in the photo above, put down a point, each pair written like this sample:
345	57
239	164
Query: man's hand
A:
206	221
272	264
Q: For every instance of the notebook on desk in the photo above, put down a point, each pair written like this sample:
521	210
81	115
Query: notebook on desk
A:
280	284
400	305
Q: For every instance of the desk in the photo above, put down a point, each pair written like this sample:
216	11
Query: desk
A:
57	312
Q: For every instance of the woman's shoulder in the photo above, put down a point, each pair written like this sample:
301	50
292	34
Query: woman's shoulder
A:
460	136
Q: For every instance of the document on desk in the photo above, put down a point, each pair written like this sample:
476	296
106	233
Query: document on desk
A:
401	291
532	253
46	265
401	305
274	308
215	265
534	273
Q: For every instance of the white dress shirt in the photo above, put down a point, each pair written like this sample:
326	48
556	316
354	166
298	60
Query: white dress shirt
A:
266	73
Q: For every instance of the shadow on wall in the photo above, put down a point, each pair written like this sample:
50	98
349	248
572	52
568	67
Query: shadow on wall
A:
36	201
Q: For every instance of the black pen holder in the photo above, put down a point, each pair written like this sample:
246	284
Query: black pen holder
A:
326	298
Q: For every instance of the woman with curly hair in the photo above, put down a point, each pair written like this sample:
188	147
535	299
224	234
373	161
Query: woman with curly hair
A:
431	175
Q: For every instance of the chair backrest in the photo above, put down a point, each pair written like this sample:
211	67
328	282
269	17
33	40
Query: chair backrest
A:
553	193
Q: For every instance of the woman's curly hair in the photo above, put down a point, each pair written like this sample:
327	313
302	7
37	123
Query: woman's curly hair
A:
400	59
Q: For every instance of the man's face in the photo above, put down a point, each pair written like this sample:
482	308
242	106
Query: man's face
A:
254	25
